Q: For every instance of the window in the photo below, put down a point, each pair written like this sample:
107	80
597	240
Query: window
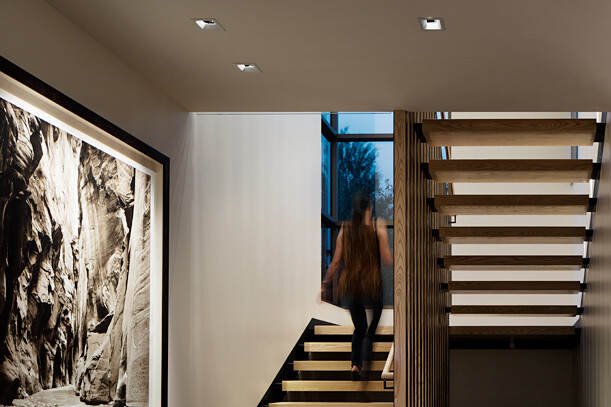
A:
357	156
365	123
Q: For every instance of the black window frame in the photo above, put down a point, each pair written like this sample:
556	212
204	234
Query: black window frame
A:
330	132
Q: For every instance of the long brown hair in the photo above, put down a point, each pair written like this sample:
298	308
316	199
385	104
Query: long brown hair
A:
360	204
361	277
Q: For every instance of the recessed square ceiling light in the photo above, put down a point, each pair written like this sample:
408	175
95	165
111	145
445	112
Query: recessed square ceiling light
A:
209	24
431	23
244	67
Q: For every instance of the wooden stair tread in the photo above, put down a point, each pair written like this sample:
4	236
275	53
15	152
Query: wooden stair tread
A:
513	262
331	404
526	287
512	204
510	170
510	132
333	365
522	310
512	235
347	330
512	331
342	346
334	385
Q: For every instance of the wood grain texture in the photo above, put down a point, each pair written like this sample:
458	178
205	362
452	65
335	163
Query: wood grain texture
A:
510	132
347	330
506	171
342	346
427	323
334	385
512	331
513	262
400	256
521	310
333	365
515	287
512	204
512	235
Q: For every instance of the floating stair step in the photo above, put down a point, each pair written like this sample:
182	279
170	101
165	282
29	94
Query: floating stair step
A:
522	310
342	346
512	331
330	404
333	365
564	263
513	235
515	287
347	330
512	204
334	385
510	132
511	170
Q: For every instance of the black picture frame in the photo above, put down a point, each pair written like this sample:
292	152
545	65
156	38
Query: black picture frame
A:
25	78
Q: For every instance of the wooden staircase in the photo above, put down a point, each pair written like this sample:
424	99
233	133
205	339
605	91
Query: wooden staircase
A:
513	204
505	133
321	372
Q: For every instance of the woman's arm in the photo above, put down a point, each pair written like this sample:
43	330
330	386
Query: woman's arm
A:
382	232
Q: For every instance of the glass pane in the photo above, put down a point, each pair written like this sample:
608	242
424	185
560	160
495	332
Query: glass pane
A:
365	167
384	194
365	123
327	117
327	255
326	249
326	175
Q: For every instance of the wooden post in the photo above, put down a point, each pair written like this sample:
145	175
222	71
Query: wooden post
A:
421	324
400	245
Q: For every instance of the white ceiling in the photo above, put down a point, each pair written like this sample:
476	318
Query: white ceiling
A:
363	55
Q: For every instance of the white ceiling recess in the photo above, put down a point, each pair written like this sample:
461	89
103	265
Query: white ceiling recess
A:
362	55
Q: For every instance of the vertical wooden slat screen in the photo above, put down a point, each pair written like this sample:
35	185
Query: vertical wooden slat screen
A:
400	266
421	324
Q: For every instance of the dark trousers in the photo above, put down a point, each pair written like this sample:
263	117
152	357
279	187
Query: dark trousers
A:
362	338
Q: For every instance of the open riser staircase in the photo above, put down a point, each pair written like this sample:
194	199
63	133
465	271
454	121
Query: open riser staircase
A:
318	371
503	134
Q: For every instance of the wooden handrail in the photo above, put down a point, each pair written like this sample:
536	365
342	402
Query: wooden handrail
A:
388	372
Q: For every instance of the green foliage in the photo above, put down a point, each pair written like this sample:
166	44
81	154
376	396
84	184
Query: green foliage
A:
384	202
356	172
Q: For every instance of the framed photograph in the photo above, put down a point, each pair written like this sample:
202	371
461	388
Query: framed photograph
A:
83	254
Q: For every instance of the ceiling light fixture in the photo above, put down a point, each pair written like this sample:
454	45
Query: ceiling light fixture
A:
431	23
244	67
209	24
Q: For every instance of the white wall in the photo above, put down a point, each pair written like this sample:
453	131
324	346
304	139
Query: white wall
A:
256	239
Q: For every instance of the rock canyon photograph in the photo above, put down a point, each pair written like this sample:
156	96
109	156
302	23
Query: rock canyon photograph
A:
74	270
